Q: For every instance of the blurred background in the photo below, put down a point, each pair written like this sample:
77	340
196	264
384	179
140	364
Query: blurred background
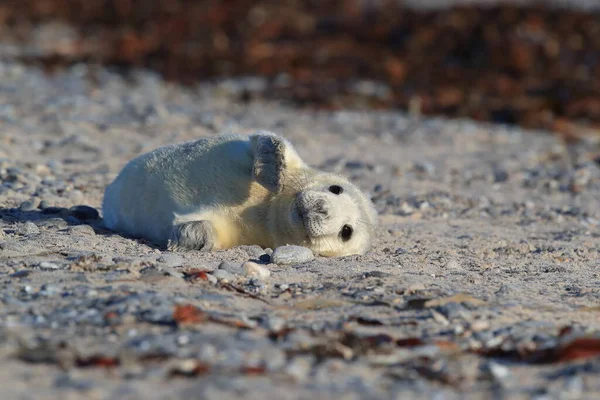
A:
529	63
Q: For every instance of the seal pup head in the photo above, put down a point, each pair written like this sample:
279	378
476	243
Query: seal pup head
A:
326	213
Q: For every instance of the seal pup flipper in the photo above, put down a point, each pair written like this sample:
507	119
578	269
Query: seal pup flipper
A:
273	157
192	235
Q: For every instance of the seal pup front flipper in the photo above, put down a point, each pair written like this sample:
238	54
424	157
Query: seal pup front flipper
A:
274	157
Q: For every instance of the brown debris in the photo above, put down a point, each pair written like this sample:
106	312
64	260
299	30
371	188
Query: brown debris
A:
98	361
576	349
188	314
579	349
194	274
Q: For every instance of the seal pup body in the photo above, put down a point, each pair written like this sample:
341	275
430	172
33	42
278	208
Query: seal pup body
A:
228	190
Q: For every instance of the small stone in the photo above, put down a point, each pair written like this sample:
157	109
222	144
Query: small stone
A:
84	213
82	230
223	275
498	371
500	176
406	209
299	368
171	271
424	168
55	223
479	326
183	340
452	264
508	290
292	255
274	324
252	269
48	265
43	205
231	267
211	279
42	170
30	205
185	367
28	228
453	310
171	259
65	381
254	251
22	273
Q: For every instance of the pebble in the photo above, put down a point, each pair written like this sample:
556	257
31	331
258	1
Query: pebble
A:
171	271
55	223
22	273
252	269
211	279
500	176
291	255
406	209
274	324
171	259
254	251
498	371
424	168
28	228
453	310
64	381
82	230
223	275
42	170
452	264
230	267
48	265
43	205
84	213
29	205
299	368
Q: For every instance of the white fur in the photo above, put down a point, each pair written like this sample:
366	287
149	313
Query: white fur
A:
216	179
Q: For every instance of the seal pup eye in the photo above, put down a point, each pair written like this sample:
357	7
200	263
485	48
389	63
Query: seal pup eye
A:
346	232
335	189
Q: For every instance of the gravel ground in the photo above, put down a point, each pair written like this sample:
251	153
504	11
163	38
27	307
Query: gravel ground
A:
483	279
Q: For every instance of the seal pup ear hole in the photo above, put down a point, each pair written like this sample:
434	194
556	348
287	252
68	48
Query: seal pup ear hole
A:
346	233
336	189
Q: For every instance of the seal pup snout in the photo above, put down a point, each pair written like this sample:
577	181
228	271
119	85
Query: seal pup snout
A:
315	209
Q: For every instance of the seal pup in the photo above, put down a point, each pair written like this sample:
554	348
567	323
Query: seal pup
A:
227	190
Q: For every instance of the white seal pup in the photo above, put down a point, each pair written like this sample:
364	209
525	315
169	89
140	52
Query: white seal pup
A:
228	190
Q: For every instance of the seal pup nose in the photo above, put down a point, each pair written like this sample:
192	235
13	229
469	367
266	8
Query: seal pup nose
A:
320	207
311	206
